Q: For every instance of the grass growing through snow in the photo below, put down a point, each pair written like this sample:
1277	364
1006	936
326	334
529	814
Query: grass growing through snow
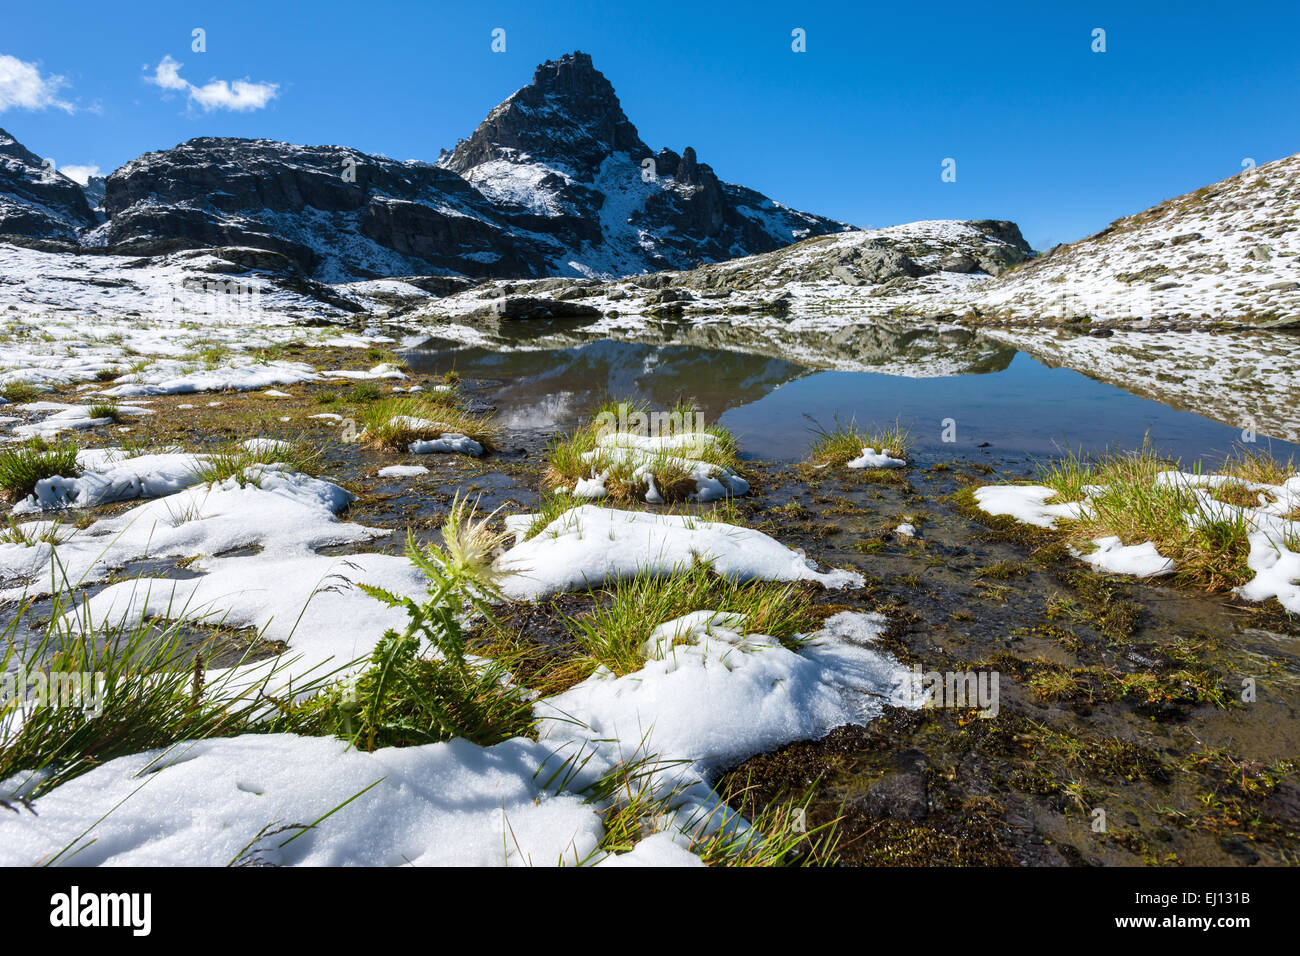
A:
123	688
633	804
235	460
146	689
21	468
844	442
591	451
31	534
393	423
551	504
615	631
106	410
18	391
1208	541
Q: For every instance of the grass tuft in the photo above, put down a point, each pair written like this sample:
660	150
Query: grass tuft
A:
393	423
234	460
407	697
581	455
106	410
844	442
18	391
1207	540
123	688
21	468
615	631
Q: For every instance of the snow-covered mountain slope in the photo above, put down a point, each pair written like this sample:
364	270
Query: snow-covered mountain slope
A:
556	181
68	318
562	150
1228	252
35	199
1226	255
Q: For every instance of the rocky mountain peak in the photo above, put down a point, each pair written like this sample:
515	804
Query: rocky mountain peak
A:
568	117
10	147
36	200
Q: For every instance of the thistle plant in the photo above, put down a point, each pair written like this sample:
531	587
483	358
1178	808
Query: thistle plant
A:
405	699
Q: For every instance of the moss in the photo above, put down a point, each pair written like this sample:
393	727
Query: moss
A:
1104	603
1003	570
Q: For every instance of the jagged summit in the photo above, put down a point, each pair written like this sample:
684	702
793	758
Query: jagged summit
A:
569	116
562	151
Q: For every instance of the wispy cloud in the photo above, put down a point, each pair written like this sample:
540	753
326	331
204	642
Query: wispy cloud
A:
239	95
23	86
79	174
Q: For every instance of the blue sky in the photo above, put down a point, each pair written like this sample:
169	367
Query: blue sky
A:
1044	131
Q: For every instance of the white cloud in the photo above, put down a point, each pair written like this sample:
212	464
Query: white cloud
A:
168	75
79	174
240	95
23	86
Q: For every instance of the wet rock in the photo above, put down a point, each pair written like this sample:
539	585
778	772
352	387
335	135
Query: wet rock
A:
901	794
669	295
537	307
1030	848
1241	850
1283	804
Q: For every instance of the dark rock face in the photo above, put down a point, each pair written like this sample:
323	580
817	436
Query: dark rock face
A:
997	259
332	211
555	182
94	190
537	307
35	200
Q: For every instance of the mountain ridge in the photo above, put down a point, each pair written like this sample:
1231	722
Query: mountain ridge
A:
553	182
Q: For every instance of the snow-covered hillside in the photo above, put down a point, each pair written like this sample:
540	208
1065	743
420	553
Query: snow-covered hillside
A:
1228	252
